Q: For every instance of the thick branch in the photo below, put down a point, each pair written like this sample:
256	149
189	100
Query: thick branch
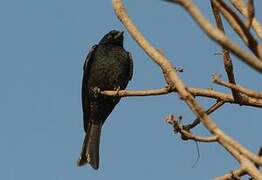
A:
242	8
260	155
218	36
250	168
245	163
239	27
250	13
232	175
173	80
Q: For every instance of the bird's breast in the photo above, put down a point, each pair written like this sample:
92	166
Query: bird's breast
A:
110	68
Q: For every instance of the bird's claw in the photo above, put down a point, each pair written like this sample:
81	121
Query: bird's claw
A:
96	91
117	89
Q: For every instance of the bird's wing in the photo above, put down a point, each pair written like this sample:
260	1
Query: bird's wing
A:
85	90
130	65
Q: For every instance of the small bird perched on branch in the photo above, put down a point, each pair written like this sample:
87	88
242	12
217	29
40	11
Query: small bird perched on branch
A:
108	66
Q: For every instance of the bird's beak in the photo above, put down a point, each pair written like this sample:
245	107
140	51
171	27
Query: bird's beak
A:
119	35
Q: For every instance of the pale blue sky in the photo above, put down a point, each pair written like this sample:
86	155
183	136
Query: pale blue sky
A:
43	46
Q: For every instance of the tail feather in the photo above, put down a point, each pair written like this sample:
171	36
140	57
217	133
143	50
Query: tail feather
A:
90	148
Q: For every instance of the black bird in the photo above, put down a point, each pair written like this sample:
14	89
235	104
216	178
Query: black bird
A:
107	67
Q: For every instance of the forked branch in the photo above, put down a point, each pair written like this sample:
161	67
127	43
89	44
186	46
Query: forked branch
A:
246	158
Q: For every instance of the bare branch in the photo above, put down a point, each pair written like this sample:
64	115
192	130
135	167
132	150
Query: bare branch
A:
186	135
239	27
228	65
250	12
260	155
216	79
174	81
245	163
209	93
235	174
242	8
150	92
250	168
218	36
209	111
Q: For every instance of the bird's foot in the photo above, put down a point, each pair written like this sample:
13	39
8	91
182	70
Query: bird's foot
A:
117	89
96	91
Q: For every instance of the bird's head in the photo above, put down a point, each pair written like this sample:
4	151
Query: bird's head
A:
113	37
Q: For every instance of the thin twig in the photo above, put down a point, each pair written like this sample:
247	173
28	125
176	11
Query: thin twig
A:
209	93
228	65
216	79
150	92
209	111
186	135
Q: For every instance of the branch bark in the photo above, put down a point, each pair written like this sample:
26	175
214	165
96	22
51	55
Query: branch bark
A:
236	87
187	135
228	65
242	8
218	36
240	28
246	158
208	93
